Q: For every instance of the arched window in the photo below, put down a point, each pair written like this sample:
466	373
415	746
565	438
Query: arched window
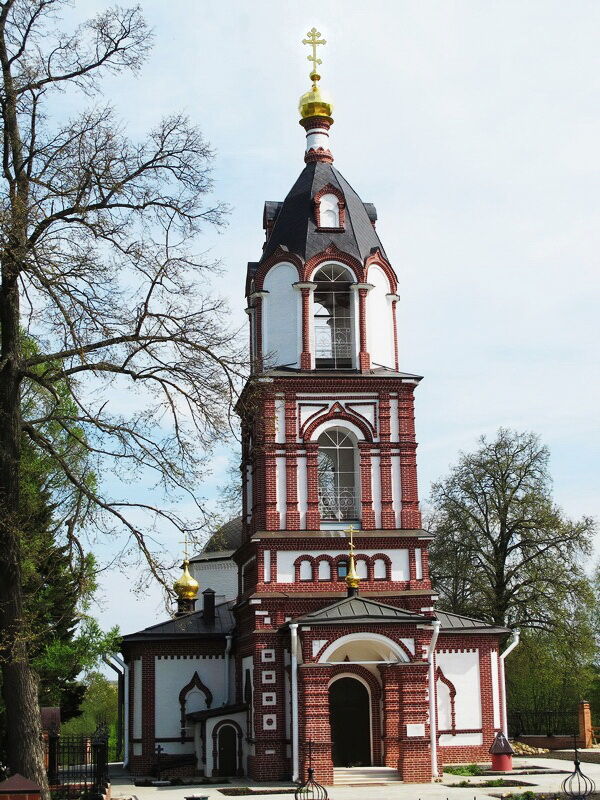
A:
329	211
362	569
379	569
306	572
333	318
342	570
337	475
324	570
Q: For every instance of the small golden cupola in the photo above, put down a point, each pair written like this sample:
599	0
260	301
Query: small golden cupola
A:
316	109
352	579
186	587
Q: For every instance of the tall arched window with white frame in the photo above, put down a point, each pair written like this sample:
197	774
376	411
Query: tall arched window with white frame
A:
333	318
337	476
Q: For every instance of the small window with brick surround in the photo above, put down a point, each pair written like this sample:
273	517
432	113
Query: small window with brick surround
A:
342	570
306	572
324	570
380	570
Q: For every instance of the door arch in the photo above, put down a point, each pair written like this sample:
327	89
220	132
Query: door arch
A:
350	722
226	745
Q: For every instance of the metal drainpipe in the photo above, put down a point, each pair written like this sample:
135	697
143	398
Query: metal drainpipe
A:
227	682
124	709
512	643
294	687
432	709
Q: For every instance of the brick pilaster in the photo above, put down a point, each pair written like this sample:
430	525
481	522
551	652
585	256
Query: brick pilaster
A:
388	517
314	722
410	515
305	358
313	517
292	515
364	359
366	492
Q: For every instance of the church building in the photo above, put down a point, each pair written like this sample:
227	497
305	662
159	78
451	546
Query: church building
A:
309	623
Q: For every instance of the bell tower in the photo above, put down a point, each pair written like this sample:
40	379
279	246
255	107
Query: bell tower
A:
328	440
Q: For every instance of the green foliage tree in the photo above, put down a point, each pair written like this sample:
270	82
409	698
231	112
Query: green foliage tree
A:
99	707
504	552
97	260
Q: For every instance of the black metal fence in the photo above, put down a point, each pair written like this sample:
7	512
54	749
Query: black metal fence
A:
542	723
78	765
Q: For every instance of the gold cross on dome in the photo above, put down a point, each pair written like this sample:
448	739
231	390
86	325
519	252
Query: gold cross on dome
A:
314	41
185	546
351	530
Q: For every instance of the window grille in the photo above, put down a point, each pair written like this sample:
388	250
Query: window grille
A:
333	319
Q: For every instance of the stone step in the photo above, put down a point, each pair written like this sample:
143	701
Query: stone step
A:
365	775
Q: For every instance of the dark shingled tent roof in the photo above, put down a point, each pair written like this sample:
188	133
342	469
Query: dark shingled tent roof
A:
294	226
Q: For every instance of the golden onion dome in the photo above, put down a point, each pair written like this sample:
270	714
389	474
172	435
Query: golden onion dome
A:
314	104
186	587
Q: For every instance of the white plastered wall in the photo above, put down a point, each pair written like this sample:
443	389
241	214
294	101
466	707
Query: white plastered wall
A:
461	668
280	316
171	675
220	576
380	332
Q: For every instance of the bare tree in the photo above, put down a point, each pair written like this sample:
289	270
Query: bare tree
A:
97	267
503	551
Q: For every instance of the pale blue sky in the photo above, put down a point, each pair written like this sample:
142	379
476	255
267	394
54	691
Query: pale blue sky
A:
475	129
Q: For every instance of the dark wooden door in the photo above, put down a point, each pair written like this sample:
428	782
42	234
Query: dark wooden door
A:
349	718
227	742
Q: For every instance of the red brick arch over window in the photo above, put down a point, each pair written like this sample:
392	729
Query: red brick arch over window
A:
377	258
330	189
336	412
280	256
332	253
297	564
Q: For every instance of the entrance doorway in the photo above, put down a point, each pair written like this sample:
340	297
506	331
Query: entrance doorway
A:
227	745
350	722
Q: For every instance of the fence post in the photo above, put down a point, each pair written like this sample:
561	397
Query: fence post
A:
585	724
100	761
53	742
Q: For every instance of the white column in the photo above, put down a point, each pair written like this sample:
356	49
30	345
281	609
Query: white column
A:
294	676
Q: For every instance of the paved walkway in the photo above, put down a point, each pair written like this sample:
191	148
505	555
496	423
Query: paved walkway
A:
123	788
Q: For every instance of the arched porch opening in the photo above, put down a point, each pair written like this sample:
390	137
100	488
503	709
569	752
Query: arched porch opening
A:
350	719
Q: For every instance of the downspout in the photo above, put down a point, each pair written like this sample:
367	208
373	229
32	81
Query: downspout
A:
432	708
123	708
294	687
227	680
512	643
